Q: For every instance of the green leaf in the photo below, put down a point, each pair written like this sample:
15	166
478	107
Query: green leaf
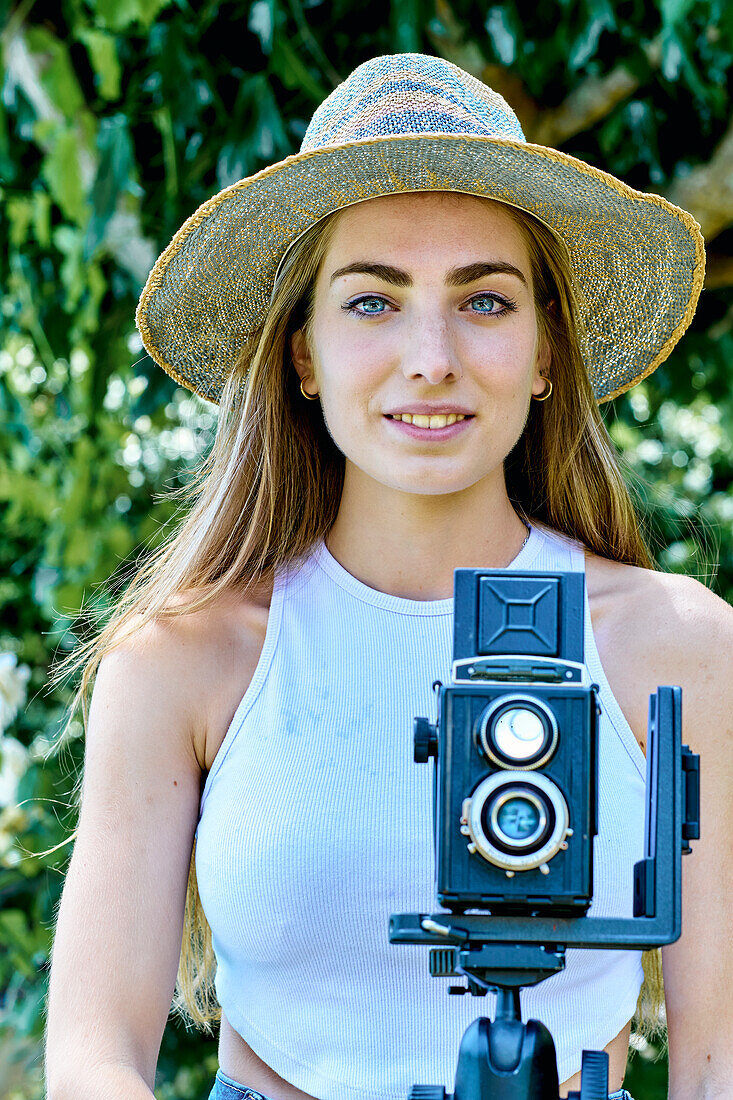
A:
603	10
42	218
271	138
62	173
261	22
586	43
19	212
18	940
118	15
70	242
113	176
406	25
673	11
57	73
672	57
164	122
7	164
102	50
292	72
151	9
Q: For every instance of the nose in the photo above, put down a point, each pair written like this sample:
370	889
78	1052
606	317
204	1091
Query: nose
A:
429	351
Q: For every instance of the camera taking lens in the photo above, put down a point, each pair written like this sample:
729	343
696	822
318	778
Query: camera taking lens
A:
516	821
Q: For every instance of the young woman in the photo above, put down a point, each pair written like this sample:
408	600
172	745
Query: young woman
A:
408	326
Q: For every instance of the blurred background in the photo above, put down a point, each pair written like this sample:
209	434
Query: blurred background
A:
117	118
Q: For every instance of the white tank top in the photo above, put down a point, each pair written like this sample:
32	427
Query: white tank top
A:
316	825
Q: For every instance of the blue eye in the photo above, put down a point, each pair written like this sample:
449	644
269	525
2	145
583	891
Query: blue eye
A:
371	305
480	302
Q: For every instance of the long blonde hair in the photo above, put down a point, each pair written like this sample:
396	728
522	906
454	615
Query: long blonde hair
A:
271	485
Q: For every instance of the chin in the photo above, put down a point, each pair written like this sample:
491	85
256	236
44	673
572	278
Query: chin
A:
431	486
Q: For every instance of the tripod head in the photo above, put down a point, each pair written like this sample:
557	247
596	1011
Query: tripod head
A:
503	1058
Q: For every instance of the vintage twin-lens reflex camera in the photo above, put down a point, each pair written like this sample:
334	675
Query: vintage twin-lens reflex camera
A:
515	815
516	779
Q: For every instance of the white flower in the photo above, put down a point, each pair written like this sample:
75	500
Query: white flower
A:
12	688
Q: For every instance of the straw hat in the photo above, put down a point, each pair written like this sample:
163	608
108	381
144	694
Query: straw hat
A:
409	122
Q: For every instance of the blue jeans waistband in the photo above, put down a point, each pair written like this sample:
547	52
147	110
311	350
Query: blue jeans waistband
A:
227	1089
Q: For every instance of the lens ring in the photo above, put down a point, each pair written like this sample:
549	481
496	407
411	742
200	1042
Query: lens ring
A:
542	788
491	720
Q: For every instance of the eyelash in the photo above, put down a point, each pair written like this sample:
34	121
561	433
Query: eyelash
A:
507	304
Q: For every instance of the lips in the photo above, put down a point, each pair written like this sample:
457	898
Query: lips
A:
435	428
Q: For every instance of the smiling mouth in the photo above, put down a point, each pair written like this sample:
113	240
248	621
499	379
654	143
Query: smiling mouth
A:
440	420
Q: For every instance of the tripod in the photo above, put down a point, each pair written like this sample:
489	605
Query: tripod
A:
505	1059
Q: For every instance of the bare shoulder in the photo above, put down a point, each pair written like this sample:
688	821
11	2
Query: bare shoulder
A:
674	616
197	662
655	628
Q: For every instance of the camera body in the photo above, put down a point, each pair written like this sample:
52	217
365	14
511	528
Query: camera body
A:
515	748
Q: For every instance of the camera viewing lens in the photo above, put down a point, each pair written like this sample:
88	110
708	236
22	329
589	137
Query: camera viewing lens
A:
518	731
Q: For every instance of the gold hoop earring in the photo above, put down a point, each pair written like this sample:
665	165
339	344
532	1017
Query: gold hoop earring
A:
545	393
308	396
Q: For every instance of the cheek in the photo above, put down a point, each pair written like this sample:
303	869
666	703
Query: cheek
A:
505	358
351	368
340	347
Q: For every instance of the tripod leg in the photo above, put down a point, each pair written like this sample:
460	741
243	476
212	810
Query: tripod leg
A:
593	1076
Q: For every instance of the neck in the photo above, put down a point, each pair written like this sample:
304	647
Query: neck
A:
408	544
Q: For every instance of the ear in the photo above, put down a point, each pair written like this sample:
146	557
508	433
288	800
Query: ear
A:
542	367
301	354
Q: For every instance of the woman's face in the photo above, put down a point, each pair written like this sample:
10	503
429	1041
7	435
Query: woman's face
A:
424	308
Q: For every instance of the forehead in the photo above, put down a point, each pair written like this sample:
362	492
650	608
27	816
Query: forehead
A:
428	226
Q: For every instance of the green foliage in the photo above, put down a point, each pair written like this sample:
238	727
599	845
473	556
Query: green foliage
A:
118	118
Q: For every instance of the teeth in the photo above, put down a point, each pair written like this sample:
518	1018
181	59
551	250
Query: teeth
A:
420	421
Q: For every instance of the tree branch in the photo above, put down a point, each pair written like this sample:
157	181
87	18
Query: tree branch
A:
587	104
707	191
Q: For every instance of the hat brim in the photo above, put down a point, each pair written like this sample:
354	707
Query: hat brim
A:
638	261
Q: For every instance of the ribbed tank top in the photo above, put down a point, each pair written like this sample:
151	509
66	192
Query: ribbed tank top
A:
316	825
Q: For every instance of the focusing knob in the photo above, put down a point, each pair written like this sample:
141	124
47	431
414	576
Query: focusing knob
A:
426	740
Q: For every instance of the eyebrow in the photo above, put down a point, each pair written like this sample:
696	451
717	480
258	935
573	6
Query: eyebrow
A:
457	276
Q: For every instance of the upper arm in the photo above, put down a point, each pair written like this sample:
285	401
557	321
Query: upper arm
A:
119	928
698	969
